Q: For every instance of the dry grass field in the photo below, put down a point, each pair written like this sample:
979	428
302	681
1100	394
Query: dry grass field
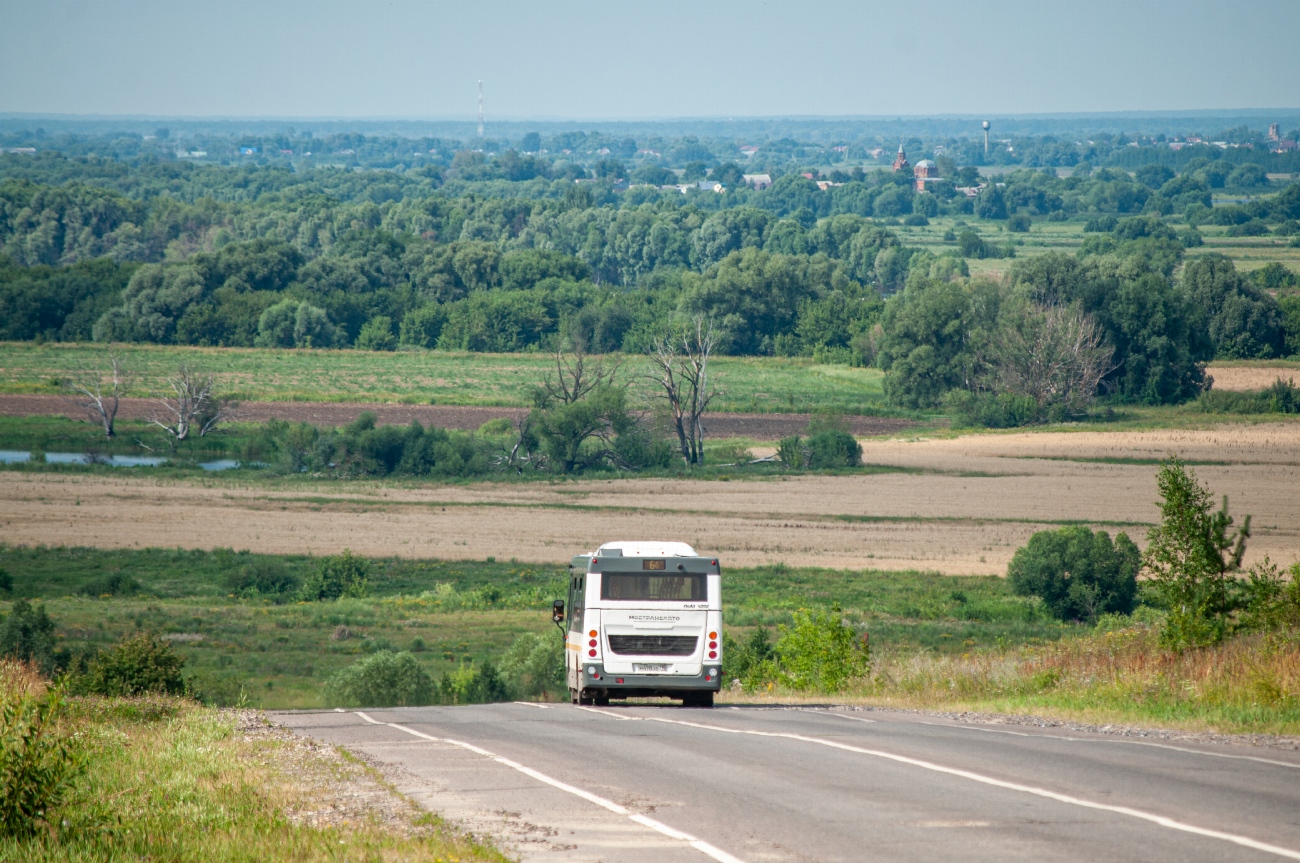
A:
958	506
1254	376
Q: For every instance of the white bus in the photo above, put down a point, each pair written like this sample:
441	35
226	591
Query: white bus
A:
645	620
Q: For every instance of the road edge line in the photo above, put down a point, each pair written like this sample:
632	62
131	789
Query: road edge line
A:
645	821
1151	743
1160	820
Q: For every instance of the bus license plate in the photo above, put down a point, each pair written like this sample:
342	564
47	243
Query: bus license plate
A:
649	667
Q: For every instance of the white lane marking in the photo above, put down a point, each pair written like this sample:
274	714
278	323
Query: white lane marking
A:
532	704
1161	820
696	843
841	715
1274	761
606	712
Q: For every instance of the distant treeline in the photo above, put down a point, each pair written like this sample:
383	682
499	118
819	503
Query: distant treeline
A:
783	146
379	260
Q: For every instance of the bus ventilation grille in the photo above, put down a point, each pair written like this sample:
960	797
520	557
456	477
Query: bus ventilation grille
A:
653	645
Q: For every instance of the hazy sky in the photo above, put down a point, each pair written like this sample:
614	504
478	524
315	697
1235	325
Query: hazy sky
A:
662	58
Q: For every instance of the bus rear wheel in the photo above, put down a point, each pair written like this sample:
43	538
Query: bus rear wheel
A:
698	699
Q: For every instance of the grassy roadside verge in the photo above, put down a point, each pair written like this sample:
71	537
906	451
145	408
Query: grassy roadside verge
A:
168	780
1246	685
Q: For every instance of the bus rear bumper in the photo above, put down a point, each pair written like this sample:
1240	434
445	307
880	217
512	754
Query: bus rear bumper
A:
647	685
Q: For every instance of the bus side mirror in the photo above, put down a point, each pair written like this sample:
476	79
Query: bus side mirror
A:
557	611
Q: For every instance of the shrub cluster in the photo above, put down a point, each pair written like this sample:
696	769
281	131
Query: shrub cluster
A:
818	652
1281	397
39	756
829	445
141	664
1193	560
337	576
532	667
1078	574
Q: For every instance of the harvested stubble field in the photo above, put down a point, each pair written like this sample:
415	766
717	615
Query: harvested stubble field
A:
958	506
1251	376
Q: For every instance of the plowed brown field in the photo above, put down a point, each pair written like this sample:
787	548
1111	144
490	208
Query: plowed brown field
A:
976	500
332	414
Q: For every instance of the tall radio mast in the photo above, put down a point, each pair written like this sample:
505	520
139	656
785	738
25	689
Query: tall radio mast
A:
480	109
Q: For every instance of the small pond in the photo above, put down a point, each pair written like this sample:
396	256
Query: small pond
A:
17	456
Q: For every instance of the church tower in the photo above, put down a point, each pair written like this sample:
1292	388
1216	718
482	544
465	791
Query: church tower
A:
900	161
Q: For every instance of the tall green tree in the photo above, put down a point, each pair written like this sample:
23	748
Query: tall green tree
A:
1191	556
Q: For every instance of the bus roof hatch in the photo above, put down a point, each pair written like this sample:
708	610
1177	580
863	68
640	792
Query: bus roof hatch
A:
646	548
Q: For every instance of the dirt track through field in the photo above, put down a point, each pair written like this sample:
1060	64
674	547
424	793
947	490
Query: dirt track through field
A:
974	502
763	427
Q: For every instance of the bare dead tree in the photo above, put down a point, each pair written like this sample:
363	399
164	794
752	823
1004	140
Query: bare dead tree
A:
99	389
1056	355
576	375
680	371
522	453
194	404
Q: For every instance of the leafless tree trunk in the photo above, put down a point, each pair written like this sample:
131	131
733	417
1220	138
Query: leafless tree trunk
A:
680	366
576	375
521	454
99	391
1056	355
194	404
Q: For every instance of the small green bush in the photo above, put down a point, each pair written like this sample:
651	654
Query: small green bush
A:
377	335
473	685
140	664
27	635
39	761
819	652
832	448
337	576
534	666
1280	397
1078	574
986	410
752	662
265	577
791	452
384	679
113	584
497	426
1272	601
6	582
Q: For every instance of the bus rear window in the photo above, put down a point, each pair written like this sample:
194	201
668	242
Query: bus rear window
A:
653	588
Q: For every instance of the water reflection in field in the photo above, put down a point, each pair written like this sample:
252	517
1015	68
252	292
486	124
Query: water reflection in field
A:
17	456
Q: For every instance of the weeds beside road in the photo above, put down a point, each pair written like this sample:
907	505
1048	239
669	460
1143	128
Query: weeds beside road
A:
1246	685
165	779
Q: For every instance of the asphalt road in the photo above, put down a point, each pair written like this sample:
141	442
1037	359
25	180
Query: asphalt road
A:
649	783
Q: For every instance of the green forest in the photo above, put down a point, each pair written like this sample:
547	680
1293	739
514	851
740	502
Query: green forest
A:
530	248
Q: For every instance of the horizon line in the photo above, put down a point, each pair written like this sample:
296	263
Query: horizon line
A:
471	120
